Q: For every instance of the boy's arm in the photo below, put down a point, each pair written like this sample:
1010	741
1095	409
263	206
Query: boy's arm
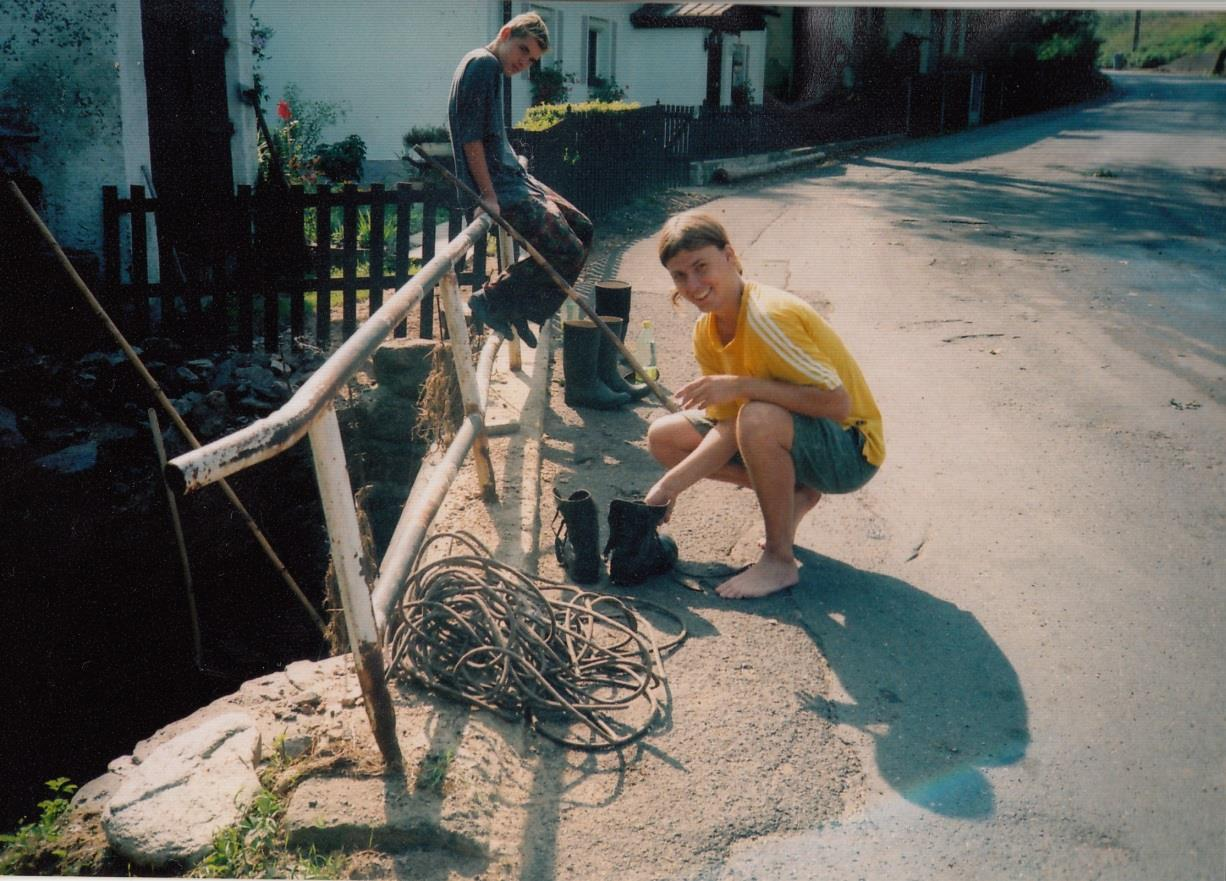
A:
808	400
715	450
474	155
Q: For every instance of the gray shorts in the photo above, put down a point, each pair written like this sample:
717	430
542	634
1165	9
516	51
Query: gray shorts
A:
828	457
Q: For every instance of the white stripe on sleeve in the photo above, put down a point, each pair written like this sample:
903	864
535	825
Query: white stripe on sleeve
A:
787	350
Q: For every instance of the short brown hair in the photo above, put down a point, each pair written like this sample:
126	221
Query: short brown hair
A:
529	24
689	231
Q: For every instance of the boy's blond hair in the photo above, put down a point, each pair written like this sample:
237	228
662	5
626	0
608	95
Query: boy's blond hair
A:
690	231
529	24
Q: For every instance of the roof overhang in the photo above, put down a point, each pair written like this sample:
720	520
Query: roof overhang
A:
729	17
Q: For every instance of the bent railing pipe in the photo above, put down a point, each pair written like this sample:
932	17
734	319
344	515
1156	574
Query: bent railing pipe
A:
426	497
282	429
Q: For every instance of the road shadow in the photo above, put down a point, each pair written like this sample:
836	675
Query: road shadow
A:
925	680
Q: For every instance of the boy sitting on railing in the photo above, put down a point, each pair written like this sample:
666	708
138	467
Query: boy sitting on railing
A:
484	160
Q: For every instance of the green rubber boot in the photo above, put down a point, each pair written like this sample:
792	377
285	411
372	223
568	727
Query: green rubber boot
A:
610	375
581	351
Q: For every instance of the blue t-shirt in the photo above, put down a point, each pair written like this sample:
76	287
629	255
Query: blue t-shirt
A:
474	113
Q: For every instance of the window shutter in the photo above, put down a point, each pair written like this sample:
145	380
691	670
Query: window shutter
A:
556	38
583	30
612	50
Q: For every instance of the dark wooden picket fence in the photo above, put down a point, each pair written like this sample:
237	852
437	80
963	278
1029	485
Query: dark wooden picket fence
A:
730	131
281	256
601	161
282	251
953	98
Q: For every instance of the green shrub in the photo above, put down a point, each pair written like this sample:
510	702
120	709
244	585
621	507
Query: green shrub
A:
605	91
255	847
544	116
341	162
550	85
425	134
1148	59
23	848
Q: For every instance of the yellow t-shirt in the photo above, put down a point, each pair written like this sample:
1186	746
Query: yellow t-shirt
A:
780	336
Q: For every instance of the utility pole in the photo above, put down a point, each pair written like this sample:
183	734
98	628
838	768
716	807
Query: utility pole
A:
1136	31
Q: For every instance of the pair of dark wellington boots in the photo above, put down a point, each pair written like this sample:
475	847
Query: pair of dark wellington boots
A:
589	357
635	550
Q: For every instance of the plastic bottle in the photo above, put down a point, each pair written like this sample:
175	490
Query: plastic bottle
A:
645	351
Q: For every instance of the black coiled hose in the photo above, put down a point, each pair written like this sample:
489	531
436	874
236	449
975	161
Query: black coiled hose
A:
487	634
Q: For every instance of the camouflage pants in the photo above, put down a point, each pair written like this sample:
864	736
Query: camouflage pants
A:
563	235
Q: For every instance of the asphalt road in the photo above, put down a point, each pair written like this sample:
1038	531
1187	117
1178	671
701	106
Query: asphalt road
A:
1024	611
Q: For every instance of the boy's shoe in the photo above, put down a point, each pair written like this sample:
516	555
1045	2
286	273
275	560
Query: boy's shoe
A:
525	332
483	313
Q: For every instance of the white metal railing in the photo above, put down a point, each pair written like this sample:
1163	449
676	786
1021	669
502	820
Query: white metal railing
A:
311	411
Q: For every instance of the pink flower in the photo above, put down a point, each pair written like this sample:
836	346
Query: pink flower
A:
283	110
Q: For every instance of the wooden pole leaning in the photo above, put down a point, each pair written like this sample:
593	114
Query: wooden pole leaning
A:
162	400
662	394
180	542
461	358
515	357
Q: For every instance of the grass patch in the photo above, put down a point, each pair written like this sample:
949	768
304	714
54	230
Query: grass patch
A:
33	843
255	847
1165	36
432	775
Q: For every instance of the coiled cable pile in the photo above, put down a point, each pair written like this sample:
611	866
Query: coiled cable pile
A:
488	634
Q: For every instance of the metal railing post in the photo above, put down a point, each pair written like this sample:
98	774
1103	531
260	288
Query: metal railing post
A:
461	357
344	537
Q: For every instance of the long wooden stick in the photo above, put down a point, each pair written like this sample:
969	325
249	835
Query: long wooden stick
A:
162	400
662	394
180	542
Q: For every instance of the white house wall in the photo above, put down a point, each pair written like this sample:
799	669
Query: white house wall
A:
755	41
239	77
669	65
387	62
569	46
73	97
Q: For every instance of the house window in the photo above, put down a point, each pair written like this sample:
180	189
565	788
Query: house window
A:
553	21
599	56
740	65
741	92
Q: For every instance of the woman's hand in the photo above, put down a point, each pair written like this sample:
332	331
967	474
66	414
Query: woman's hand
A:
709	391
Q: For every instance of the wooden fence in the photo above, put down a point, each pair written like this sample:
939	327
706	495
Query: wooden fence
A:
720	132
285	254
601	161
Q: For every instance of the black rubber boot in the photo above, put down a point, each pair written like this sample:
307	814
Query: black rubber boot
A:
613	298
500	317
635	550
486	314
606	361
576	541
580	351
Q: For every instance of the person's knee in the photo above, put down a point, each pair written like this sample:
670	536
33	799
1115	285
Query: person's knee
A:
657	439
758	421
671	438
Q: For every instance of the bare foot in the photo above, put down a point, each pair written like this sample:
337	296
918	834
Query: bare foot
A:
806	500
768	575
